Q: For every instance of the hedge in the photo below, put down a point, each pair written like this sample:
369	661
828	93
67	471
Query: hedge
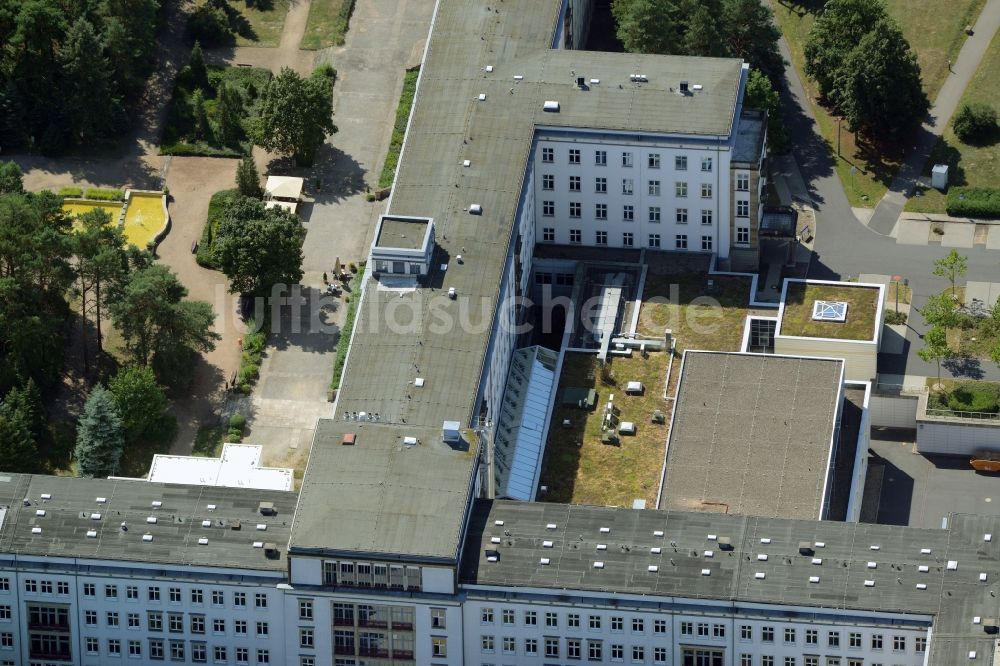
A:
344	340
73	192
983	202
101	194
399	127
217	207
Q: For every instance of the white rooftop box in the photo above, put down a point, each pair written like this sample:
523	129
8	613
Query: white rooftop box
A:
634	388
451	432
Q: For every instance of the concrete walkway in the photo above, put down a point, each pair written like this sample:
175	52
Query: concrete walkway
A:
889	208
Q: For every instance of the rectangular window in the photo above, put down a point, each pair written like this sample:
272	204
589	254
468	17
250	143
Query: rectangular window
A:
706	243
573	620
112	619
601	211
789	661
595	650
681	162
263	656
627	186
154	621
306	638
486	616
110	591
242	655
153	594
654	240
742	209
617	652
706	164
240	599
810	660
175	623
175	595
114	646
654	188
197	596
573	648
134	649
654	161
90	618
574	183
746	632
628	213
62	587
706	216
617	624
575	236
628	240
594	622
833	639
199	652
548	182
627	160
706	190
601	185
575	209
638	625
703	628
654	214
133	621
548	208
743	182
920	644
682	216
508	614
486	644
899	643
219	653
854	640
638	654
687	628
132	592
742	235
548	155
197	624
218	626
574	155
659	655
767	634
601	158
552	648
240	627
217	598
718	631
680	189
155	648
812	637
659	626
305	609
438	620
530	646
600	238
548	234
89	589
92	646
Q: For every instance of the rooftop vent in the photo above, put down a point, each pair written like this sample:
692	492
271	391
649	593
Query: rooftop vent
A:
492	556
872	565
482	97
210	507
206	523
498	523
638	78
151	520
987	537
202	541
46	496
952	565
409	441
36	530
266	508
762	557
869	583
817	560
270	550
706	572
925	551
605	530
91	534
147	537
519	77
101	500
40	513
494	539
684	87
546	544
466	163
813	579
258	544
95	516
921	586
551	106
652	568
712	537
450	432
760	575
156	504
594	82
581	82
696	87
982	578
544	561
876	547
805	548
476	209
923	568
658	533
709	553
598	565
725	543
418	382
349	439
820	544
261	526
765	541
550	526
489	68
655	550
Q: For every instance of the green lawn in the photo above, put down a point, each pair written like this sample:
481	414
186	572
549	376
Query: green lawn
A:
861	303
178	132
327	23
399	127
935	31
975	165
265	19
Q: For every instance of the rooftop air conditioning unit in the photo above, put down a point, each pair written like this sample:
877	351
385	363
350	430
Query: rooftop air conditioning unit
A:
684	87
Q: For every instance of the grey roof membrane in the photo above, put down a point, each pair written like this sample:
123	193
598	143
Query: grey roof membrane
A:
751	434
72	504
953	597
399	336
401	233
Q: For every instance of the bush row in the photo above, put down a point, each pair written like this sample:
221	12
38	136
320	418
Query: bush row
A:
974	202
101	194
217	206
253	351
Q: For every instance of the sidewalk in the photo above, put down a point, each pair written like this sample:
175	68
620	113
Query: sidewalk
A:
888	210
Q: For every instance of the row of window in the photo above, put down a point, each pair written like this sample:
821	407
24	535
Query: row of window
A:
175	595
811	636
654	213
176	651
807	660
653	240
197	624
371	575
616	623
653	187
575	156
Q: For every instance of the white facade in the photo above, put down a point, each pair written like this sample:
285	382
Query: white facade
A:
658	193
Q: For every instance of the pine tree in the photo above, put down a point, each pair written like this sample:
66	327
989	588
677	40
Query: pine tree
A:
21	419
200	117
229	111
198	71
90	91
247	180
100	437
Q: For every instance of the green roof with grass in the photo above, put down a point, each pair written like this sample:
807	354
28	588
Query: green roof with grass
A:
800	297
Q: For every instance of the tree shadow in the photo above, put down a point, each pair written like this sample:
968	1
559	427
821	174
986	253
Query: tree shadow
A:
964	366
339	175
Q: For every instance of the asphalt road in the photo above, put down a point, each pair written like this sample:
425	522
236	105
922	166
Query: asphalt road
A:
846	248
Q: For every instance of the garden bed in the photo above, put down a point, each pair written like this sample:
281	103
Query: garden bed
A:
179	132
399	127
327	23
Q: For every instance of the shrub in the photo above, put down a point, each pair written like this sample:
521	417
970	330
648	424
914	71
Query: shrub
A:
101	194
234	435
974	202
71	191
974	397
217	206
237	422
893	317
975	122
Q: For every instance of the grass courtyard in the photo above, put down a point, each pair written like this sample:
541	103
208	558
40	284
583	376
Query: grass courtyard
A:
260	21
578	468
935	31
976	165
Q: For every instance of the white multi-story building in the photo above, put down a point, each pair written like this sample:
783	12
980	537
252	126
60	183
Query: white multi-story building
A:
393	555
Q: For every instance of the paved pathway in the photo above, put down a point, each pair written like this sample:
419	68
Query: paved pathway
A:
889	208
286	54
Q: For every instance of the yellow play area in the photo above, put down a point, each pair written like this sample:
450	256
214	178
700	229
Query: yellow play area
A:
144	218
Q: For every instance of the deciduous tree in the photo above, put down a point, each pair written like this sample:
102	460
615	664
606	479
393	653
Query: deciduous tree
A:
837	30
295	115
258	247
935	348
141	402
951	267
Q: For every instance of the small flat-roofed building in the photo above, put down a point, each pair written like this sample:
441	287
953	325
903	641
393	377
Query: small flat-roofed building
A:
753	434
403	245
237	467
283	192
832	320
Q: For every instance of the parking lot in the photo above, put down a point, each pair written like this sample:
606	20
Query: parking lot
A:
908	488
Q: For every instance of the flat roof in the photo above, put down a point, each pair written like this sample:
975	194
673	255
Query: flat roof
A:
237	467
289	187
952	597
176	533
795	316
750	133
464	111
381	496
406	233
752	434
